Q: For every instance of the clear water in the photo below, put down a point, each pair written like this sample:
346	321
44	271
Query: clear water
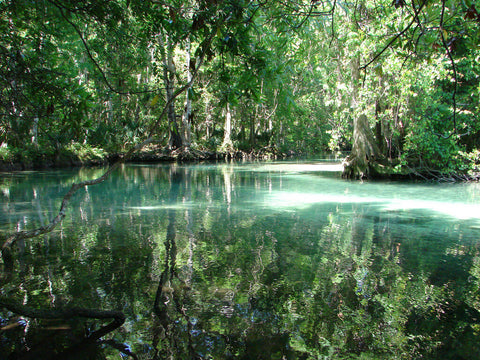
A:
251	261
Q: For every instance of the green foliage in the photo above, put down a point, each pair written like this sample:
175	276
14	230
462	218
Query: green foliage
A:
34	155
295	76
85	152
425	147
6	154
468	162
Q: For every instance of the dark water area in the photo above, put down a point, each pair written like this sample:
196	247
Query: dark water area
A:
263	260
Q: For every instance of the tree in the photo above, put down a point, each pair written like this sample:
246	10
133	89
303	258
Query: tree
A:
420	30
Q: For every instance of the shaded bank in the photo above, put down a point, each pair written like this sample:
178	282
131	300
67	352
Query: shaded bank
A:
38	159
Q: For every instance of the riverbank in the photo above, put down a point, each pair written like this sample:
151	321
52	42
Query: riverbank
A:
80	155
84	156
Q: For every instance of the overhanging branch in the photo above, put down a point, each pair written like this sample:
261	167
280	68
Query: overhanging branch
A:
92	59
396	37
454	68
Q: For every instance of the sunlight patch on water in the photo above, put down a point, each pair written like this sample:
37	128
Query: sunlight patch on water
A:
179	206
302	200
457	210
297	200
286	167
317	167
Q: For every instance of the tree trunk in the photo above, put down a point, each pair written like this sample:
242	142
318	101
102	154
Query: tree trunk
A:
227	132
208	120
166	49
187	114
35	132
252	130
359	164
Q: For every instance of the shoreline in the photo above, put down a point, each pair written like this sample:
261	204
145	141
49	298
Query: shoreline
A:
146	156
154	155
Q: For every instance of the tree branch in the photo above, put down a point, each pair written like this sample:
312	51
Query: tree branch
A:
92	59
206	45
363	67
454	68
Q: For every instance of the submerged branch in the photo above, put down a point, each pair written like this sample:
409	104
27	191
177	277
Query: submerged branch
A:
66	314
26	234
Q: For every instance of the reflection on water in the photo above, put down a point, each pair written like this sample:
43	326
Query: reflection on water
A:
253	261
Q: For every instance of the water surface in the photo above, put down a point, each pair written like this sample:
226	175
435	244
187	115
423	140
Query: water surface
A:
252	261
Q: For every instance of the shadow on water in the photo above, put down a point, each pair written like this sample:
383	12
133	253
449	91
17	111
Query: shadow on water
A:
253	261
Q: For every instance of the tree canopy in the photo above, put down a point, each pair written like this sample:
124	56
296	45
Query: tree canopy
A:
395	82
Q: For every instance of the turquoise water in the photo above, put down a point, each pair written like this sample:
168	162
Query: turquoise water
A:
264	260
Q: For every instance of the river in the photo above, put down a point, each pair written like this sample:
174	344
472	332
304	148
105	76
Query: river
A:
253	260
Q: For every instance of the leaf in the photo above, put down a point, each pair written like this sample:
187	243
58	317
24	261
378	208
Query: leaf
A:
379	70
445	34
155	100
